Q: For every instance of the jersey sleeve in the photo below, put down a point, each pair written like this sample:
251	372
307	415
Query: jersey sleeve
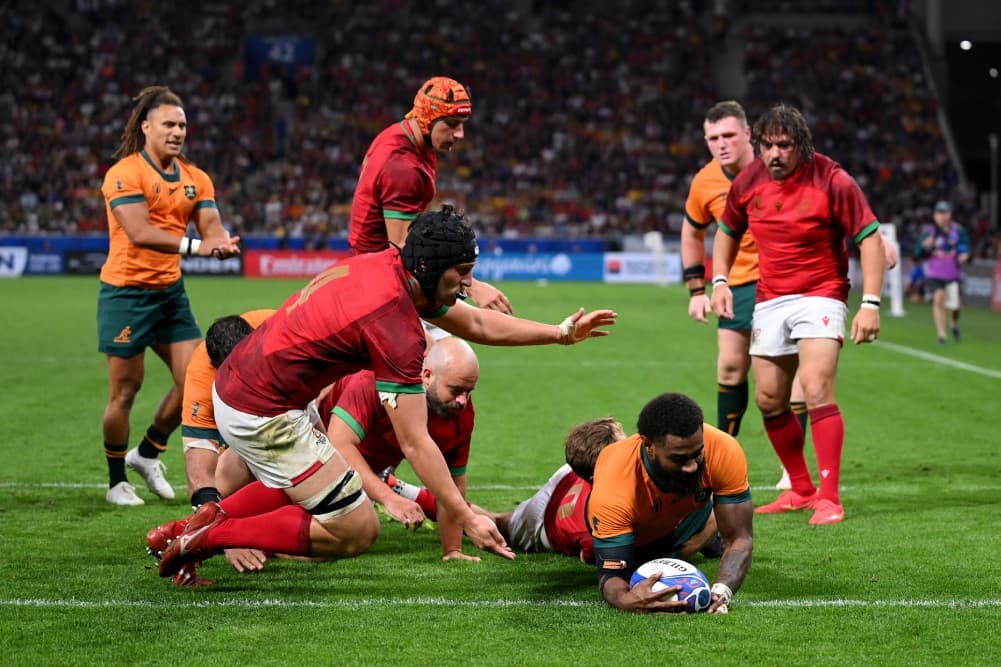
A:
610	521
850	208
123	185
204	190
697	212
727	466
402	189
695	215
734	222
396	345
357	402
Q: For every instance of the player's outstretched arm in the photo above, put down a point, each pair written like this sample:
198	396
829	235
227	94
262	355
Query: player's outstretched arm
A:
490	327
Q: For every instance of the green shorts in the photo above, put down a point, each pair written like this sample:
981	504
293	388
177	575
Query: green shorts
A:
743	307
130	319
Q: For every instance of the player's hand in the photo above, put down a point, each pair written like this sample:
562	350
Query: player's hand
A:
722	301
865	326
699	307
487	296
246	560
220	247
404	510
456	554
720	599
578	327
645	599
483	532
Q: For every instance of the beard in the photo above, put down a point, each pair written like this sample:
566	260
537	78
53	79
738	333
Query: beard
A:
679	483
442	408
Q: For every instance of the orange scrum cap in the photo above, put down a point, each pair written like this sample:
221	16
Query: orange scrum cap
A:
439	98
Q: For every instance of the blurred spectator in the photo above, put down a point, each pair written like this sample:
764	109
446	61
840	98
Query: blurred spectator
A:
586	121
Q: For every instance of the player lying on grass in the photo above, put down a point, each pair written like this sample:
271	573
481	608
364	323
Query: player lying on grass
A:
363	312
655	495
553	518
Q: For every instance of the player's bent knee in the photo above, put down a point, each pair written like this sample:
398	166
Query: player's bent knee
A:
347	535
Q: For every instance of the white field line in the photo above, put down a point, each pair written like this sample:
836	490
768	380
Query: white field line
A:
938	359
755	488
473	487
74	603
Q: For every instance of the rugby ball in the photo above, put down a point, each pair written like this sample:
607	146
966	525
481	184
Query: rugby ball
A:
675	572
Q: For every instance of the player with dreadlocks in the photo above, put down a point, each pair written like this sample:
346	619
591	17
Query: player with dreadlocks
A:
397	179
151	194
362	313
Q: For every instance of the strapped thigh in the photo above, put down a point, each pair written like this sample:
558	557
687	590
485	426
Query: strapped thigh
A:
336	499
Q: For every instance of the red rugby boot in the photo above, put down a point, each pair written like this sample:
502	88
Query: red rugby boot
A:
189	546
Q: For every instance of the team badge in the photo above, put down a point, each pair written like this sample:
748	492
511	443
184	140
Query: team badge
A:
189	191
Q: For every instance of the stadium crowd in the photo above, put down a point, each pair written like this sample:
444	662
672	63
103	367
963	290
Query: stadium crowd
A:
586	121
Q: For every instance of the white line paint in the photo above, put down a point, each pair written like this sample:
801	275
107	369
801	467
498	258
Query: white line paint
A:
938	359
475	487
73	603
849	489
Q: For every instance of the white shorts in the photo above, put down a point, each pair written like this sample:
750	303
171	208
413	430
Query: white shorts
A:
952	295
278	450
527	525
779	323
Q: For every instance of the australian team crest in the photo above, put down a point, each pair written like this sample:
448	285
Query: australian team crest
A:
189	191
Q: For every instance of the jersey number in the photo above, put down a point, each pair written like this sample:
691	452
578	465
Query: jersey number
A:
321	279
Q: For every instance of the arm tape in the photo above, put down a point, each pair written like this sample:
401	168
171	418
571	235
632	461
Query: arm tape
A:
695	271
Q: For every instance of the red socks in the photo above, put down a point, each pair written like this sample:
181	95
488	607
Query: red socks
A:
254	499
827	428
786	436
428	504
283	531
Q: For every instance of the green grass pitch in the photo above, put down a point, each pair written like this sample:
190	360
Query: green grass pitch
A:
912	577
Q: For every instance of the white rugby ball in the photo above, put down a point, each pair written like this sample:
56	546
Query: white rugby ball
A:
694	592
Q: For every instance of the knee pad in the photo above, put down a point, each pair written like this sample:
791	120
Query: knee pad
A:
336	499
